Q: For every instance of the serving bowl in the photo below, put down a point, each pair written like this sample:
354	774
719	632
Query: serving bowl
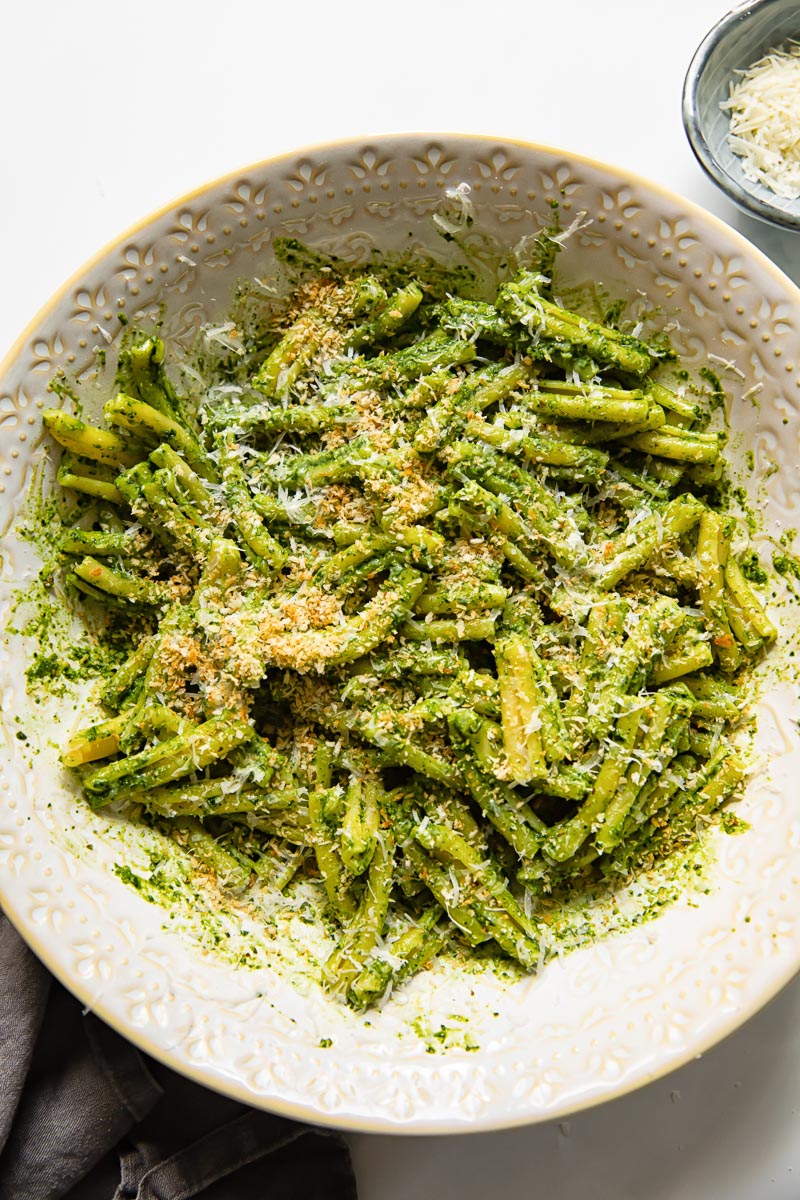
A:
736	42
457	1049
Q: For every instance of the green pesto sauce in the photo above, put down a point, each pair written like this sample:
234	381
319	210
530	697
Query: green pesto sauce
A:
786	565
752	569
66	391
171	879
450	1035
733	824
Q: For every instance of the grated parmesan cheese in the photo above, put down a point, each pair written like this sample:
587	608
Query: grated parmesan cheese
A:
765	121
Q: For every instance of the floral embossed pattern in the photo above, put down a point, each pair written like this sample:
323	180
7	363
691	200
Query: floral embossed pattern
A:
604	1019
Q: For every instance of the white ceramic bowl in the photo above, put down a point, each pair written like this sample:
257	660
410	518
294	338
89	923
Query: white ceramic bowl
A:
605	1019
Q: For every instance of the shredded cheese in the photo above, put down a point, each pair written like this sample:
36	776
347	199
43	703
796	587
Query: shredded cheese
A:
764	132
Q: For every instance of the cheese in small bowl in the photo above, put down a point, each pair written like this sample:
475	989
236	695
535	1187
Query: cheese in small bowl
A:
764	107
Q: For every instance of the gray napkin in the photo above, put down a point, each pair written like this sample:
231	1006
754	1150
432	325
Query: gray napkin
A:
83	1114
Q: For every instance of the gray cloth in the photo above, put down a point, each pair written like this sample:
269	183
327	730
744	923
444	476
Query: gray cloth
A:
84	1114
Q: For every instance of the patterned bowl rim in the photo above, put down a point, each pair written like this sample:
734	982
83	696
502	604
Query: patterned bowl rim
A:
146	1042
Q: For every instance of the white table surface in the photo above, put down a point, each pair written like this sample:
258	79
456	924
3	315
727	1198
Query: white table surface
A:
108	111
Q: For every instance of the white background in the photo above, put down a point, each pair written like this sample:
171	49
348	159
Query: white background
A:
109	110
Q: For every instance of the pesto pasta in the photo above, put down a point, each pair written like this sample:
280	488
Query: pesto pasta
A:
432	599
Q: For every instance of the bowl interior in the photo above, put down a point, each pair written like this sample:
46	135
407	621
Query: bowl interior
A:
740	40
608	1017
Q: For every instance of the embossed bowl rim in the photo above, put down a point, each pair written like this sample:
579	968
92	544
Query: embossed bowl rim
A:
142	1037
